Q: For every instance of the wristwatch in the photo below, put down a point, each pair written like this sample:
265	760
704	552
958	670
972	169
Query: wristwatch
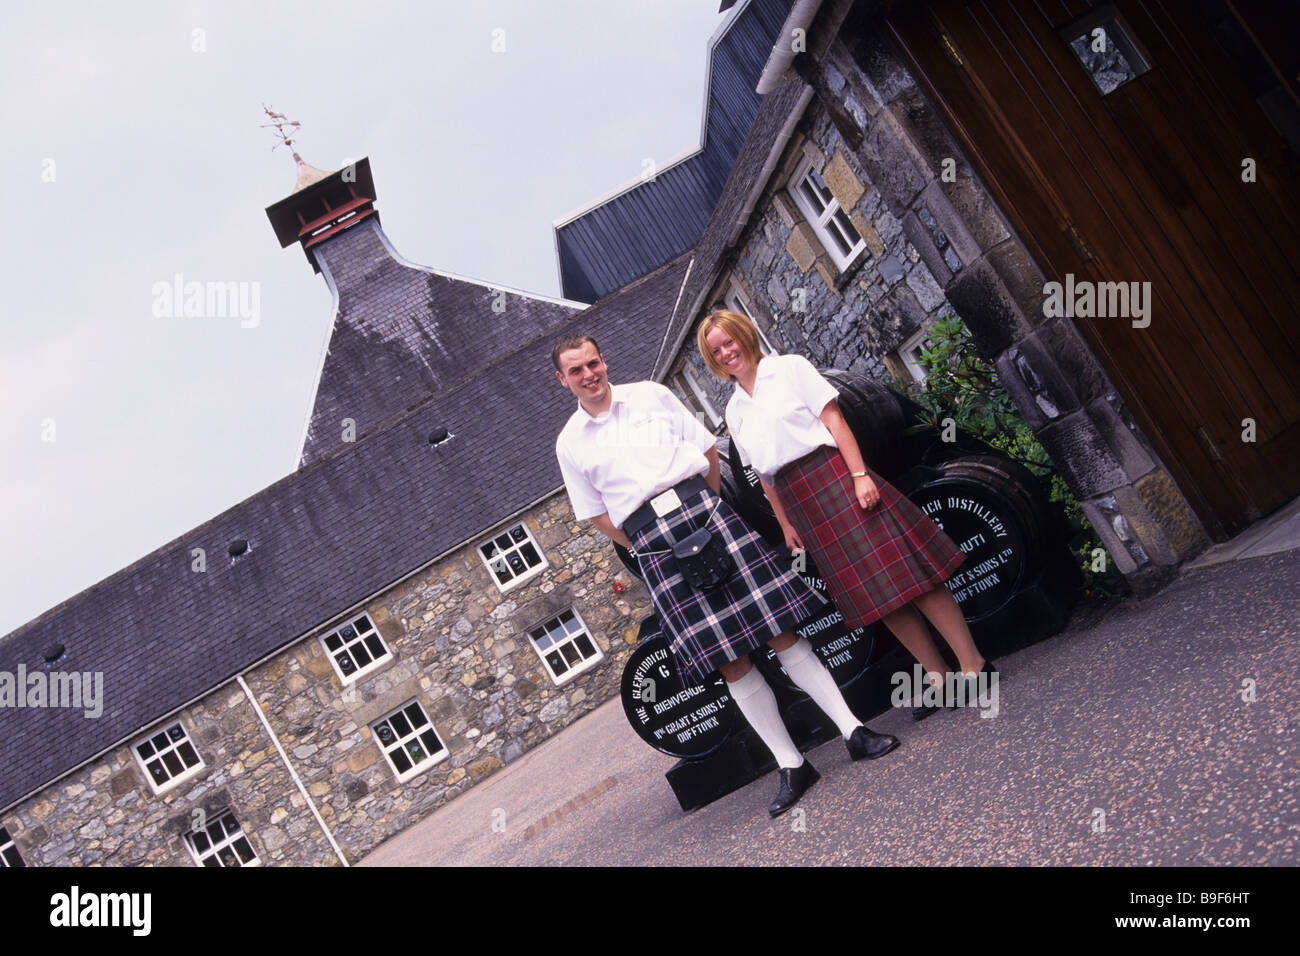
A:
858	474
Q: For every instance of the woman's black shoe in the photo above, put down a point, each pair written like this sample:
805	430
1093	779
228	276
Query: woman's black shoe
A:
925	710
865	744
794	784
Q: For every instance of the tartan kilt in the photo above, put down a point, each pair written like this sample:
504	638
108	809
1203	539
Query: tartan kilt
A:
706	630
873	562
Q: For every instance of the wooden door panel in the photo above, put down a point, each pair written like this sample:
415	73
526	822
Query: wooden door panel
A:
1157	192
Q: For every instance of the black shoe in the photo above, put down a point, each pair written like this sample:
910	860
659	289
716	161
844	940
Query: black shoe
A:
925	710
865	744
988	668
794	784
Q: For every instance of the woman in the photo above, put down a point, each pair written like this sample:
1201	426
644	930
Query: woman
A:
881	558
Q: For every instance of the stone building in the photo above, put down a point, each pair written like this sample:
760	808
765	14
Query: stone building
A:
306	674
891	176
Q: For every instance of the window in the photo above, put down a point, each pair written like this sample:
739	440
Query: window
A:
512	556
735	301
564	646
909	352
222	843
356	648
691	386
168	757
1104	48
409	741
9	855
829	221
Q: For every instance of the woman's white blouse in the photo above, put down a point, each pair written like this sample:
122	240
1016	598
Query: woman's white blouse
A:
780	422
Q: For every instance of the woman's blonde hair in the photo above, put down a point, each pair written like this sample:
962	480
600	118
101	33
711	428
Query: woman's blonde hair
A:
742	332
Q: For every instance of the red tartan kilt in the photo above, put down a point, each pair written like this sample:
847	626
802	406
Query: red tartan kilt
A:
873	562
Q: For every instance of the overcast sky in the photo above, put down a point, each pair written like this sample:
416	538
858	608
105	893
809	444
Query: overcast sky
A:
133	154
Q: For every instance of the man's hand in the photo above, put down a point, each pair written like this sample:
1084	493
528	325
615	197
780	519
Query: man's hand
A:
607	528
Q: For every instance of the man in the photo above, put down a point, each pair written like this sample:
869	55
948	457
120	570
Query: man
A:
644	471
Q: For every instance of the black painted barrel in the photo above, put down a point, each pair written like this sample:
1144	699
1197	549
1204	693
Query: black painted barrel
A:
996	512
674	717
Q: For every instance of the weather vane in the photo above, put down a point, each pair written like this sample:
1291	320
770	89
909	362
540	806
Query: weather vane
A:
283	127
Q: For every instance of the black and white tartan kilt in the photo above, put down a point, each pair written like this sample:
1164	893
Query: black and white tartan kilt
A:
707	629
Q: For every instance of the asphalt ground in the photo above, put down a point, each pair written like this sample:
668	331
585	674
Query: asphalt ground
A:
1125	740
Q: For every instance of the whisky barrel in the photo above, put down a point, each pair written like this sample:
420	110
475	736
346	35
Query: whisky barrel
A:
996	512
676	718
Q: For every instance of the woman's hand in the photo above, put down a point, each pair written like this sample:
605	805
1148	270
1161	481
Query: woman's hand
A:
867	493
792	539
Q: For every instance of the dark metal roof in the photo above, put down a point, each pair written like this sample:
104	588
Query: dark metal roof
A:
777	111
322	540
401	333
625	237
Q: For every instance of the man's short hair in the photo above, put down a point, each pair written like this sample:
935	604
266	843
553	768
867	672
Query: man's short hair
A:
570	342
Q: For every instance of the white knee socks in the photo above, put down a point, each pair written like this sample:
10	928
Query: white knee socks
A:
806	670
757	702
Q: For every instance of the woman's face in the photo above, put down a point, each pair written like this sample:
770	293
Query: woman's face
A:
726	351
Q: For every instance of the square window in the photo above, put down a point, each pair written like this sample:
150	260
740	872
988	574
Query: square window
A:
565	646
513	556
409	741
168	757
9	855
356	648
1104	47
822	210
222	844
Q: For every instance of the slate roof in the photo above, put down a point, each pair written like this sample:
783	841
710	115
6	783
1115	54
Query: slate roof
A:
643	227
402	332
778	109
330	535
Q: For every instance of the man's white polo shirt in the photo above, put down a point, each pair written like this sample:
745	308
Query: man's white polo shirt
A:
647	442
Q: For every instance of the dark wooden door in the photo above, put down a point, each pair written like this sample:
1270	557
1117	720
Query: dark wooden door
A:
1144	184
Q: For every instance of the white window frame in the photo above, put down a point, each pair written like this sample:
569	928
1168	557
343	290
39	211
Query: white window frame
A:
693	384
906	354
9	855
361	637
819	219
431	758
735	301
227	839
571	637
516	547
173	745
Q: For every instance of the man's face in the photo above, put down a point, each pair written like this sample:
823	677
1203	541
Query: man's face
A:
582	371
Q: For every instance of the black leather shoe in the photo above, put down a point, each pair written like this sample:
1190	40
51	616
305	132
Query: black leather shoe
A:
973	682
925	710
794	784
865	744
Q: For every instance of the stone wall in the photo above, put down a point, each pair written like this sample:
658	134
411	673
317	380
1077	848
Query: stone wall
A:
937	242
459	646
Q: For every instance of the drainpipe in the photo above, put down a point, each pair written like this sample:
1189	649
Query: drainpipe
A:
782	55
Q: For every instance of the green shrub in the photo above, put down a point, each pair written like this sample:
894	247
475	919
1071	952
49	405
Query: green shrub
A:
962	386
